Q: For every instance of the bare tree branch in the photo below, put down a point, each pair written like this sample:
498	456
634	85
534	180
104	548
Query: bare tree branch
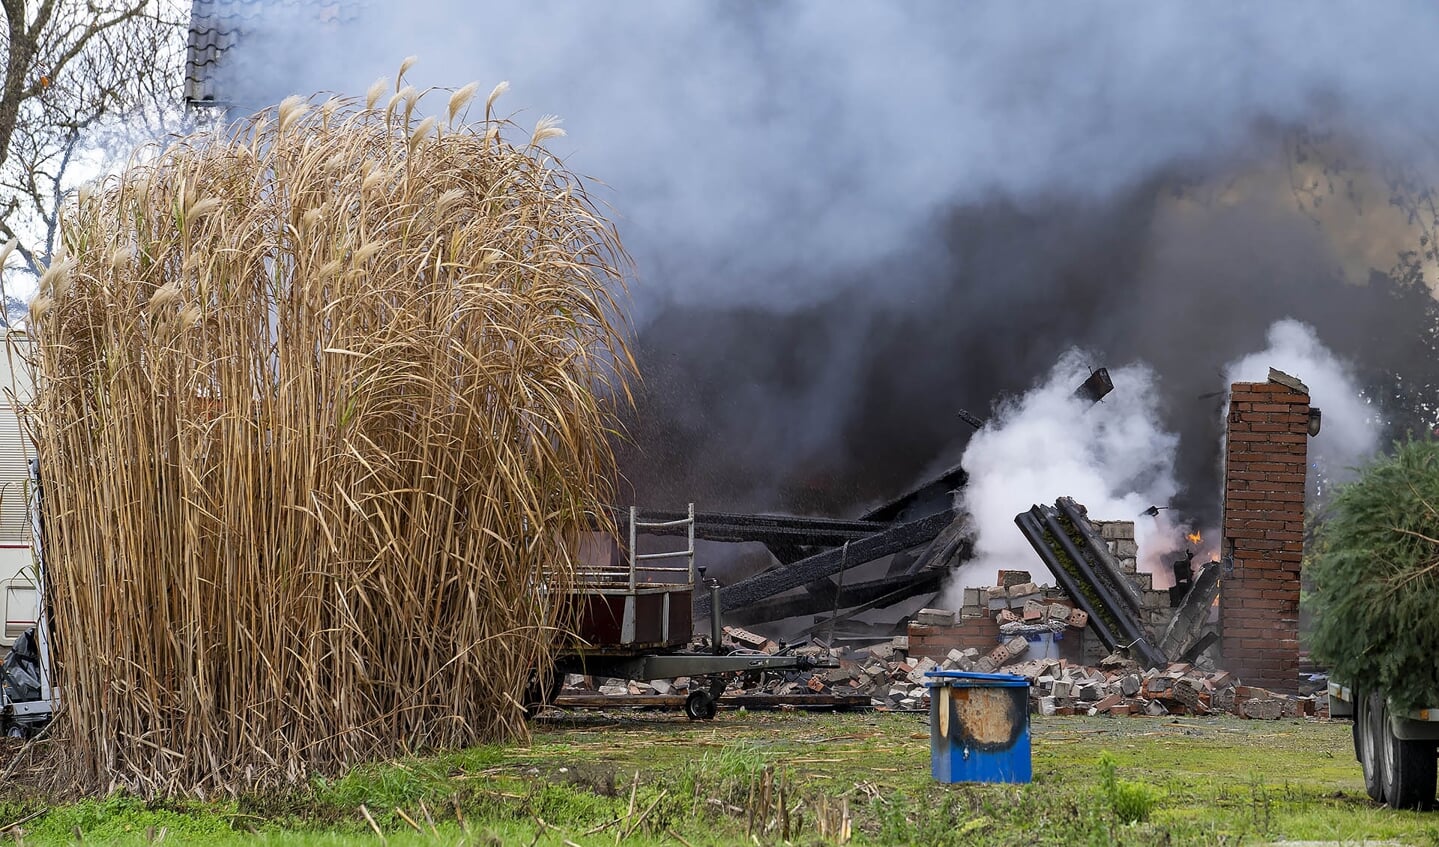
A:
80	79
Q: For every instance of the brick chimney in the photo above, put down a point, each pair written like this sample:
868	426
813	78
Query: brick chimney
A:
1266	455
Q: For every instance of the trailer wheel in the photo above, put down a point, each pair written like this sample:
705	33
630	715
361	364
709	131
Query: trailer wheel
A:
1408	768
1368	745
700	706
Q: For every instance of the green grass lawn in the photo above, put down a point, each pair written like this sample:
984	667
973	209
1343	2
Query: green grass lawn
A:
597	779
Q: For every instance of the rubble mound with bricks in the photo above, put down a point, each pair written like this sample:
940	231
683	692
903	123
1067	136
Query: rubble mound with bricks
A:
894	679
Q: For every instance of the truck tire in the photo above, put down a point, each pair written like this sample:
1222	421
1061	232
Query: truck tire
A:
1368	744
1408	769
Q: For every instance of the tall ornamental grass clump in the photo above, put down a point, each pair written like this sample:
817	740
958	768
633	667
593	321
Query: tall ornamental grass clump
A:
322	410
1375	571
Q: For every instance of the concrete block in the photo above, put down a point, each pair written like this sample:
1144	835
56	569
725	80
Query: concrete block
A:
1023	589
1129	685
1116	530
1034	611
921	668
1186	692
935	617
745	637
1017	646
1047	706
1059	612
1266	709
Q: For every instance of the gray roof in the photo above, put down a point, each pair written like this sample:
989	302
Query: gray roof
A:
218	26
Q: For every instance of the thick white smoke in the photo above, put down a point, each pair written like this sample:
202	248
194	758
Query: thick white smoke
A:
1349	434
1114	457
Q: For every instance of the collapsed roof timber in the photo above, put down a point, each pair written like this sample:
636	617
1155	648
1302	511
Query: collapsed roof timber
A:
922	529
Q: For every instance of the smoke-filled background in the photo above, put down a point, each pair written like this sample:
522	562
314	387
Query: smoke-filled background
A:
851	220
1118	459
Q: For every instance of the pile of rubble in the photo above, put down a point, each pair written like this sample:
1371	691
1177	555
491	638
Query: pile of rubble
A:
894	680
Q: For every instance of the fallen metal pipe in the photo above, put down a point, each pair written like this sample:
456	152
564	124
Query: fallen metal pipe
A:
1030	525
1117	628
1114	577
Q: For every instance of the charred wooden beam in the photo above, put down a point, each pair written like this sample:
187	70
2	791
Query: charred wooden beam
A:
784	577
1191	619
929	497
847	617
902	586
954	543
774	531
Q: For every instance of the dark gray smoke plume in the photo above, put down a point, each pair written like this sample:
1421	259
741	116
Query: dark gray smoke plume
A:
852	220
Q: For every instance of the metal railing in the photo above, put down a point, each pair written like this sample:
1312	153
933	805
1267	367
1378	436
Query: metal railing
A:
628	574
687	553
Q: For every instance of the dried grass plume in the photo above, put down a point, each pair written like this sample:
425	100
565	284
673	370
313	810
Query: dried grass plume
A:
323	406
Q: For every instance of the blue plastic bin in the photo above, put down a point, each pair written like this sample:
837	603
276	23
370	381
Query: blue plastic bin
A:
978	727
1043	645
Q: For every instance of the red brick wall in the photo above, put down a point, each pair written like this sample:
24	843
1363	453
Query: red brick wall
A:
1265	459
936	641
982	634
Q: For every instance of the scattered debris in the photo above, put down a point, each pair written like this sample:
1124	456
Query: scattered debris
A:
885	676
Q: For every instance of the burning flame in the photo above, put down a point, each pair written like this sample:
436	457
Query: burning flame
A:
1194	537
